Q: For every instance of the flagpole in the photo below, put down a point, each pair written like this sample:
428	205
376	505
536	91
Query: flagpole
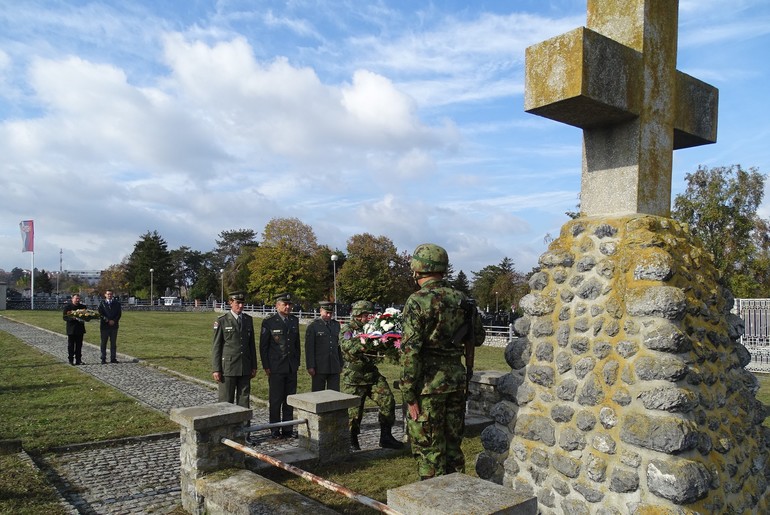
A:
32	283
27	228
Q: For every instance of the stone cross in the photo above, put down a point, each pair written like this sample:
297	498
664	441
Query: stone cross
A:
617	80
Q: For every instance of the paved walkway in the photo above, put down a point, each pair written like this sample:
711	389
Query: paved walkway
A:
139	475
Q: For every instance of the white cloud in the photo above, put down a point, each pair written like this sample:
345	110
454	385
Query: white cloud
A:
118	118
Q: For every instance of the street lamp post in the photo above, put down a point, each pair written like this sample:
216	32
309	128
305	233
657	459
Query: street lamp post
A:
222	293
151	286
334	267
497	305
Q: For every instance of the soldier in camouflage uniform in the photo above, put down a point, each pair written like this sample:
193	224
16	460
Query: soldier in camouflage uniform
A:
436	323
361	377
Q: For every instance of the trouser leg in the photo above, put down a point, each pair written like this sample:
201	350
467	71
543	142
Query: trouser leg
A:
226	389
104	334
333	382
243	391
275	396
78	348
318	382
288	411
429	434
113	344
71	348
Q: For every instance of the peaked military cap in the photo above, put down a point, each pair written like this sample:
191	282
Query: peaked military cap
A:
326	305
237	295
284	297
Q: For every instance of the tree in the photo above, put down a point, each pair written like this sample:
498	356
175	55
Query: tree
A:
287	259
402	283
280	268
187	266
499	285
207	282
42	282
150	252
114	278
231	244
374	271
461	283
720	206
292	232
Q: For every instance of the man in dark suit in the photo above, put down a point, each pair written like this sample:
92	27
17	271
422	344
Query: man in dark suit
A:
234	353
75	330
323	356
110	310
280	352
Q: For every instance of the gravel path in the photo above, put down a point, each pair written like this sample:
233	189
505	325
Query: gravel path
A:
138	475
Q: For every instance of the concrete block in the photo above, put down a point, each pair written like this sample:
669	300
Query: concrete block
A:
323	401
459	494
201	418
246	493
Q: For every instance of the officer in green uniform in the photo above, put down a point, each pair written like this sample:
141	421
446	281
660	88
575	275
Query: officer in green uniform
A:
323	356
361	377
436	324
279	349
234	353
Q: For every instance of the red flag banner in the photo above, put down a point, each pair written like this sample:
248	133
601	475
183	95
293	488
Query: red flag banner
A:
27	235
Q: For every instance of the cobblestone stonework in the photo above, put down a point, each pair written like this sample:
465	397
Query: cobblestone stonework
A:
629	393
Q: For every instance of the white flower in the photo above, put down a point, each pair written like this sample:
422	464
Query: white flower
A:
387	326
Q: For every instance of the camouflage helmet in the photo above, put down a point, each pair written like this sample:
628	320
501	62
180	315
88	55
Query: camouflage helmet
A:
429	258
360	307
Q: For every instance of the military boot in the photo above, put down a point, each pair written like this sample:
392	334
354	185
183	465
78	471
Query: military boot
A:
354	441
386	438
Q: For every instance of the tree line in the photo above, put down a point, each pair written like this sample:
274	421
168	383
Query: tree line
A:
720	205
287	257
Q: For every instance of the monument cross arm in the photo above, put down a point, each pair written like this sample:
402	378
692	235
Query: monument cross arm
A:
617	80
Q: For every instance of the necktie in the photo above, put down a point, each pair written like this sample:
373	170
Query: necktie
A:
239	322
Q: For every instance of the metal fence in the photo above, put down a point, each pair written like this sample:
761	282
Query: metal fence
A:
756	337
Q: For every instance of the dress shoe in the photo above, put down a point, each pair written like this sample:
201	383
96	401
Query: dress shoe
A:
78	362
114	361
104	362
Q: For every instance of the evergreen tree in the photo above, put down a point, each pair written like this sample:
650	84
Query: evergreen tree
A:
150	252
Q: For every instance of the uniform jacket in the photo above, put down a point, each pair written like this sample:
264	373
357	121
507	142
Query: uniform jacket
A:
322	347
279	344
234	352
74	326
431	360
360	368
109	311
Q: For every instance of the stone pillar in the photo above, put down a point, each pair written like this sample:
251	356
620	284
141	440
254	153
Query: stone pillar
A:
326	433
482	392
3	293
201	429
636	398
458	493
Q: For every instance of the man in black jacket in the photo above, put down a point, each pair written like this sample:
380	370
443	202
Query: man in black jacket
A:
279	350
75	330
111	311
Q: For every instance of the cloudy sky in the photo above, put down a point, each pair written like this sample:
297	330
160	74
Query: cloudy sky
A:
398	118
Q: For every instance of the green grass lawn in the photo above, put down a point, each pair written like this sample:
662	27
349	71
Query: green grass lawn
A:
182	342
47	403
50	394
38	393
